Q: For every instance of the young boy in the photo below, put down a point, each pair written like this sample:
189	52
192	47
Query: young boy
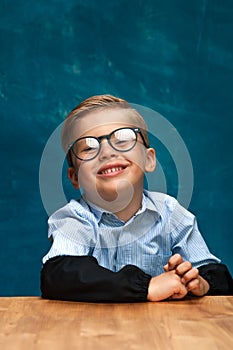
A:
120	243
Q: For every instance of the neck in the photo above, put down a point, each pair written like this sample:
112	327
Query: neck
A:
124	210
131	209
127	215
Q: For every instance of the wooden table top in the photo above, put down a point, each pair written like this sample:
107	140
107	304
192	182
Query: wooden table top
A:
193	324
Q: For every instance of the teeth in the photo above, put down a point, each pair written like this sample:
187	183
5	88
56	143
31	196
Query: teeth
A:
112	170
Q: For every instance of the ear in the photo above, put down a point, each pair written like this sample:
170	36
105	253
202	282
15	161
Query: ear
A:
150	160
73	176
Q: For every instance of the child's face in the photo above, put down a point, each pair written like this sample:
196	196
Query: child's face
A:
125	181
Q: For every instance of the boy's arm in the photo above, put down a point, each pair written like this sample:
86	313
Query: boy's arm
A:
80	278
218	277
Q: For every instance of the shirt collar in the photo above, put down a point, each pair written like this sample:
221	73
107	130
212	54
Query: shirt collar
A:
147	203
97	211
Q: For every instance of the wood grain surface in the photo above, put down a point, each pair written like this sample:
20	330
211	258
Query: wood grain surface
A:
33	323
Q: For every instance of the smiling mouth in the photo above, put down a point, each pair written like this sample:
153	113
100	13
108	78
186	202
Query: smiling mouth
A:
111	171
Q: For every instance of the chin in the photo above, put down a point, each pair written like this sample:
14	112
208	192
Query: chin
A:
121	195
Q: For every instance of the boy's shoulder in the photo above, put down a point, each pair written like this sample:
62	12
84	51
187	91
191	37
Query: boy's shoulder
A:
161	199
72	218
168	206
77	208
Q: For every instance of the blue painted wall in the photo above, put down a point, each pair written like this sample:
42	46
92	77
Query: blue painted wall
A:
173	56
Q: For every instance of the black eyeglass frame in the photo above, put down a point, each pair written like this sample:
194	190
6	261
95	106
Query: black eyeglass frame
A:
99	139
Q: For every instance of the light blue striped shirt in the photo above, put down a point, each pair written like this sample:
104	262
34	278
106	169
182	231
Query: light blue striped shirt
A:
161	228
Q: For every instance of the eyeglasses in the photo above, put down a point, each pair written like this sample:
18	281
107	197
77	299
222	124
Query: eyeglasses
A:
122	140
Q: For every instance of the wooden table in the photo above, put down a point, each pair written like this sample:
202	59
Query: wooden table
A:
33	323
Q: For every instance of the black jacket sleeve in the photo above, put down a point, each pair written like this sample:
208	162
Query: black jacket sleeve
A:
218	277
80	278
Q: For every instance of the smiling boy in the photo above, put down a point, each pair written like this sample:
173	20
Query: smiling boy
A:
108	178
119	242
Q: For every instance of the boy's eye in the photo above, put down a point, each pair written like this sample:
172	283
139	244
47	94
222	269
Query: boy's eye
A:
124	135
88	145
120	142
89	149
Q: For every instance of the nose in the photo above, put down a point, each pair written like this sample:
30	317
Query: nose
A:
106	151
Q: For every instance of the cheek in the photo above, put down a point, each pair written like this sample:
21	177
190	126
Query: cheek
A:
139	158
85	176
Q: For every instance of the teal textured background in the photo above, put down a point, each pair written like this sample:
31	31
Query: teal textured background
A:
173	56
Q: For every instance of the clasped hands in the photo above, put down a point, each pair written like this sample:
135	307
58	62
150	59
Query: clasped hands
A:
178	279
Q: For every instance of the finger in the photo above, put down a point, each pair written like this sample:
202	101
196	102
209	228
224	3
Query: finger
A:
174	261
182	268
193	285
198	286
181	293
190	275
